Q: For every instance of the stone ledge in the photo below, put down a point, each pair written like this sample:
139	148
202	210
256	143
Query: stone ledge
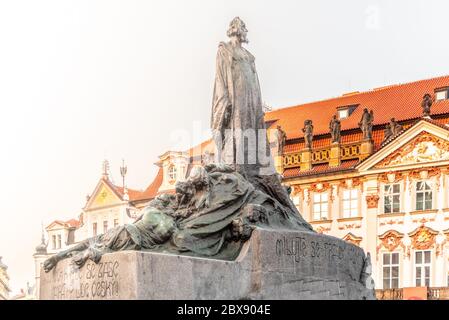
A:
320	221
389	215
423	211
350	219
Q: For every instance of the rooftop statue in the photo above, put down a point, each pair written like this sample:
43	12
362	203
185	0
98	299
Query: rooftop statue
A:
308	134
366	124
426	104
281	139
213	211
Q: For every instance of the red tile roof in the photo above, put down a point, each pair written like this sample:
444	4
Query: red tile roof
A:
402	101
151	191
72	223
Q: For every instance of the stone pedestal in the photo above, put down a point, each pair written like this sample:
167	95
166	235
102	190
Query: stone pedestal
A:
366	149
306	160
335	155
273	264
279	164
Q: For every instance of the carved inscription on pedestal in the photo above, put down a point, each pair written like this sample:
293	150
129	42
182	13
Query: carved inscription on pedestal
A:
93	281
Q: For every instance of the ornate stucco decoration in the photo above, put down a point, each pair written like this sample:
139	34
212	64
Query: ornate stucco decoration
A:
372	201
322	229
297	190
424	220
349	226
351	183
352	239
391	222
425	148
392	177
423	174
423	238
319	187
390	240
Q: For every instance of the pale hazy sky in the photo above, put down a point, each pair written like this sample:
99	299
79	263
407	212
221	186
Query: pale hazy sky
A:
81	81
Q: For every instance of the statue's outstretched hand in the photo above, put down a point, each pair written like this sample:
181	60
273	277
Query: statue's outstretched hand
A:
50	263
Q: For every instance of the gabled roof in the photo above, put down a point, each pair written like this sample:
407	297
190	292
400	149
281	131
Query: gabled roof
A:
402	101
423	125
69	224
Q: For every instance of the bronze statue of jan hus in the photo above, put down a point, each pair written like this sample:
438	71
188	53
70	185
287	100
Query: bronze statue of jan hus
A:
335	129
215	209
366	124
308	134
281	138
426	104
237	120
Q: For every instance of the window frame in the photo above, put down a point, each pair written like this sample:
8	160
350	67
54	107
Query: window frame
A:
320	203
422	267
172	173
391	196
390	267
442	90
351	200
424	192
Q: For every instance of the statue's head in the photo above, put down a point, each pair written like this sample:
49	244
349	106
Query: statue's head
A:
237	28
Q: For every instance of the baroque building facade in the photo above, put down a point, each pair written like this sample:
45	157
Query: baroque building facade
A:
369	167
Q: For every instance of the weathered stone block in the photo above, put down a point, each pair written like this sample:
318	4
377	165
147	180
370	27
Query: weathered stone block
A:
273	264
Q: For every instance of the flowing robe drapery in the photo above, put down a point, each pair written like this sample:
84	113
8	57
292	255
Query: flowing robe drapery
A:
240	136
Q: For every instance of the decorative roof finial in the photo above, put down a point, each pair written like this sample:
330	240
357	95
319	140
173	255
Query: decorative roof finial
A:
105	173
123	171
42	247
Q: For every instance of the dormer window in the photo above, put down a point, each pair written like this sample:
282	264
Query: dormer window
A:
441	94
345	111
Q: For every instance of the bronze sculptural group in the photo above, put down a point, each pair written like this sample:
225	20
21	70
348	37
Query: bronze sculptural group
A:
215	209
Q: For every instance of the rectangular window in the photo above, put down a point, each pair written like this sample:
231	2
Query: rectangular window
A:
105	226
54	242
392	196
115	223
422	268
59	241
423	195
94	229
320	206
390	270
441	94
350	203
